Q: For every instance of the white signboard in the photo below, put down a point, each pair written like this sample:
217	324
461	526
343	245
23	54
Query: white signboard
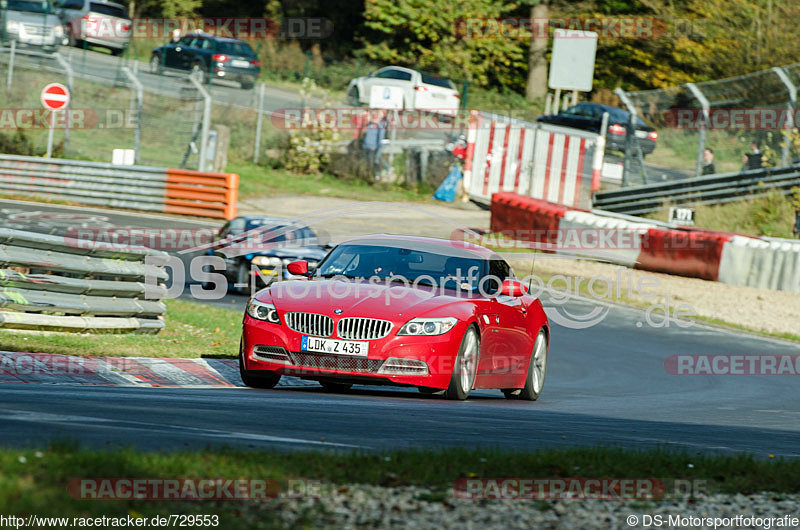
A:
681	216
572	62
386	97
123	157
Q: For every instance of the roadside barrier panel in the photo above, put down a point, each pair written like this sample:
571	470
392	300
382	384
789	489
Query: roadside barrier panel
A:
767	263
61	284
533	159
145	188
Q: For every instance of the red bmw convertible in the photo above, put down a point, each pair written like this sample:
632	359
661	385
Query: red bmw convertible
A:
443	316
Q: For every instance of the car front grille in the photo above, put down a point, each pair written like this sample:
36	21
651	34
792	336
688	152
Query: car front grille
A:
310	324
336	362
355	328
34	29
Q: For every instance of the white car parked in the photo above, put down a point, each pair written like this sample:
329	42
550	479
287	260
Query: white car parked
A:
420	90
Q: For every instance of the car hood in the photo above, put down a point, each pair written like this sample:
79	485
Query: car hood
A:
38	19
359	298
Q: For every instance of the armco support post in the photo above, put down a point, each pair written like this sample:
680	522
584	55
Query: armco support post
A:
701	141
206	126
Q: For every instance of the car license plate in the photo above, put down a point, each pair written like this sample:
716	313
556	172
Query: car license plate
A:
238	63
339	347
438	96
641	134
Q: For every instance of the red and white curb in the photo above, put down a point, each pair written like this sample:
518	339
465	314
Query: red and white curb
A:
55	369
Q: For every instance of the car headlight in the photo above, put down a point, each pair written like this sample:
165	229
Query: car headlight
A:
428	326
12	26
262	311
266	261
58	31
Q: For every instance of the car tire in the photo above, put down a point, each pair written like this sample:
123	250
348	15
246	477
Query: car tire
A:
116	52
537	368
243	277
198	67
155	65
254	379
354	98
335	388
247	85
466	366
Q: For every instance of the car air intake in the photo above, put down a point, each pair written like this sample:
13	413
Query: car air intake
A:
354	328
346	363
310	324
274	354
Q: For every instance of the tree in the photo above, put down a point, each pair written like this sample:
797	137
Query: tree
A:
536	85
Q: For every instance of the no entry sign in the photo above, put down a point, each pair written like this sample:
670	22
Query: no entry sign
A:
55	96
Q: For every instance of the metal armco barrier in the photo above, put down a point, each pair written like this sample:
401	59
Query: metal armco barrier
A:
179	191
537	160
56	283
713	189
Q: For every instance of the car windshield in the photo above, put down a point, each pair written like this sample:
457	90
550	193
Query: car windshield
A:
107	9
265	230
234	48
449	268
28	6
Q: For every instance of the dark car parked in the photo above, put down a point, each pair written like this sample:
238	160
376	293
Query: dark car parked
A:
209	56
589	116
257	249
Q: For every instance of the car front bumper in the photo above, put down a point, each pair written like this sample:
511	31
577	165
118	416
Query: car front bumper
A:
276	348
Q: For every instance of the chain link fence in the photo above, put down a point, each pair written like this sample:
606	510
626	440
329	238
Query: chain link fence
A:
745	122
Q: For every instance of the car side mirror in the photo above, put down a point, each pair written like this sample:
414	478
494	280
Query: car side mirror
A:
298	268
511	288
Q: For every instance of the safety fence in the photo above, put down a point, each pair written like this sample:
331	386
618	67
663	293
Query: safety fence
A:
648	245
532	159
57	283
712	189
177	191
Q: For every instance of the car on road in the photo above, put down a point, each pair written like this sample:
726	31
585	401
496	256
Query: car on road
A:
210	57
257	250
421	91
95	22
443	316
589	116
31	24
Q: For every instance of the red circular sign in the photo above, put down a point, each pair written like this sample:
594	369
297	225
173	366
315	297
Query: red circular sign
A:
55	96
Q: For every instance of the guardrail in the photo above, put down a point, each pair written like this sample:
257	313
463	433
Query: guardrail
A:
55	283
712	189
179	191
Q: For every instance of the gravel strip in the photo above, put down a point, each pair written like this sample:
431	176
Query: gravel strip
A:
366	506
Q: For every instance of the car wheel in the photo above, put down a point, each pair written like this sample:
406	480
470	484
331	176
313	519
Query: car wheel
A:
116	52
155	64
334	387
253	379
354	101
537	368
199	70
243	278
247	85
466	366
71	40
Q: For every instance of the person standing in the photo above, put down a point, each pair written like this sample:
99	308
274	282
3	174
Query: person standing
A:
372	143
752	160
708	162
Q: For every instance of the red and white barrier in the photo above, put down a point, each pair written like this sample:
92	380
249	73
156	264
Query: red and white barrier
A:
533	159
697	253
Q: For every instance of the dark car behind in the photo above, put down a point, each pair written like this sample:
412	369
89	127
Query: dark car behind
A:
257	249
209	56
589	116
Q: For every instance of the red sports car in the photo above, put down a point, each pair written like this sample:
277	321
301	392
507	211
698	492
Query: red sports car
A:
435	314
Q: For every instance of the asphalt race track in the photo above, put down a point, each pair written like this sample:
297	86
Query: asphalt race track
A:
606	385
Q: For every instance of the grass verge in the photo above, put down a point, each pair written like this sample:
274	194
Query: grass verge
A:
191	330
35	482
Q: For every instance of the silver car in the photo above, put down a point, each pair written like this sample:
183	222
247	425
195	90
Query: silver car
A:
95	22
31	24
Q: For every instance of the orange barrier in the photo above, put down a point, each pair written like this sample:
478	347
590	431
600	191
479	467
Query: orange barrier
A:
200	193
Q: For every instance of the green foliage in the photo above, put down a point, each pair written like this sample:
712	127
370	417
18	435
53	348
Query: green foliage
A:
310	147
428	35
